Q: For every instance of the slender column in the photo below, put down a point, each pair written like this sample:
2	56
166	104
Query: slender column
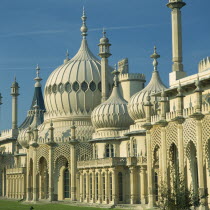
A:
164	156
143	181
88	186
149	170
200	163
176	6
93	185
81	186
181	149
114	186
51	175
35	189
99	187
132	185
7	189
106	186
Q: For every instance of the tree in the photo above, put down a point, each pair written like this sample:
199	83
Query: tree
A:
177	196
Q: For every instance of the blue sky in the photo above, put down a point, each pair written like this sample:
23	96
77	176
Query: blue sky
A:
40	31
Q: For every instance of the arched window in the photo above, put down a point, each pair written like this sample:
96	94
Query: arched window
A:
134	148
156	186
85	186
109	150
96	186
110	186
66	184
91	186
128	149
103	186
120	185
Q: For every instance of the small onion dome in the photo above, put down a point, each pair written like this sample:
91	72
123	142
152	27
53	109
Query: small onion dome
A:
104	39
15	84
113	113
136	103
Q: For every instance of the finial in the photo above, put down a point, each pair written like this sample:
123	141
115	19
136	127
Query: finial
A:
67	54
155	56
15	79
104	32
36	106
51	123
116	73
37	70
84	28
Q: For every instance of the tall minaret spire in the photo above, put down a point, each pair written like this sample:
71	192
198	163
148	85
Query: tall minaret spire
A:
84	28
177	67
15	94
104	53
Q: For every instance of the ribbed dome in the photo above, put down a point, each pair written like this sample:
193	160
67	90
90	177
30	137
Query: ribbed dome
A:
136	103
73	90
112	114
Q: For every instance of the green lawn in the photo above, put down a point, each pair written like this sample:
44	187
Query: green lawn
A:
15	205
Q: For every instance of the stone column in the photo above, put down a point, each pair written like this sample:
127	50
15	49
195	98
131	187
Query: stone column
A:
73	143
114	186
132	185
28	187
81	186
107	186
93	185
87	186
99	186
35	187
143	182
164	154
51	174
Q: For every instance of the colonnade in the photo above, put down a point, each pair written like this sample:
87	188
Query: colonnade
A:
16	186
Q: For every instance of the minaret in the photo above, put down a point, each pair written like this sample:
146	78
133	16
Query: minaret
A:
177	68
104	53
15	94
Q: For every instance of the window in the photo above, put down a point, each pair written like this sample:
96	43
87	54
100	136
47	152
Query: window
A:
50	89
128	149
120	185
60	88
109	150
68	87
84	86
66	184
54	88
134	148
110	185
76	86
92	86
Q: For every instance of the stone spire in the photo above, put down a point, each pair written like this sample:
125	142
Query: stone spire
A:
38	79
84	28
104	53
177	67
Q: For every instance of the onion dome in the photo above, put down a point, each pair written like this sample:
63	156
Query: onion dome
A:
73	90
112	114
136	103
104	39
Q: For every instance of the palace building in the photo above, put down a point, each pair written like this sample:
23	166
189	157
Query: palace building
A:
99	135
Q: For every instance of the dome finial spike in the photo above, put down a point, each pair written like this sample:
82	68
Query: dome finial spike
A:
116	73
104	32
67	54
37	70
155	56
84	28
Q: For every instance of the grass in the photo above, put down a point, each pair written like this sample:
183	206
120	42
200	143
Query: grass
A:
15	205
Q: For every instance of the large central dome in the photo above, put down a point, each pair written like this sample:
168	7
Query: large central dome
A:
73	90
